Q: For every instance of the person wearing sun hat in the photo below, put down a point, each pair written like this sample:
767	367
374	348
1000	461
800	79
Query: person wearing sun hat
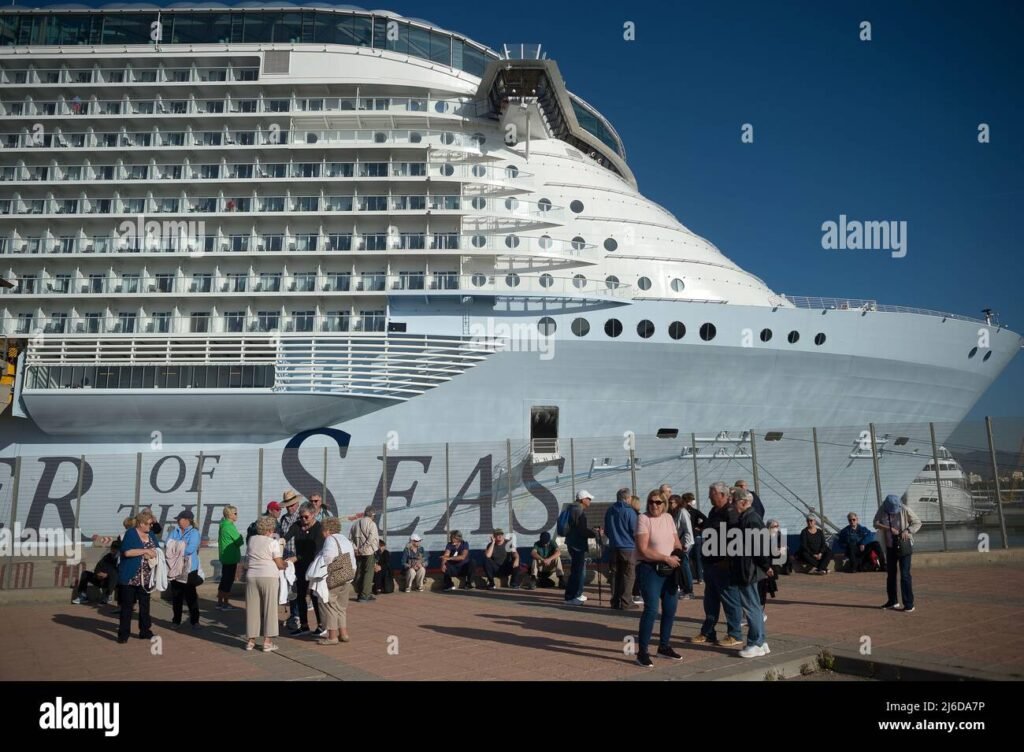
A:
290	502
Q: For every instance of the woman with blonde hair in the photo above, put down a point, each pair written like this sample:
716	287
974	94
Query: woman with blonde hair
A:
138	555
263	563
658	553
335	545
229	549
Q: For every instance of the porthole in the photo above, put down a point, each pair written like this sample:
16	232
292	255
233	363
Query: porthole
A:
644	283
479	280
613	327
447	170
708	332
576	206
415	137
511	241
512	171
610	244
448	139
511	203
441	107
512	279
479	202
987	355
380	137
479	170
973	352
794	337
766	335
678	285
611	282
819	339
544	242
544	204
479	241
546	326
546	280
677	330
580	327
579	281
479	139
645	329
578	243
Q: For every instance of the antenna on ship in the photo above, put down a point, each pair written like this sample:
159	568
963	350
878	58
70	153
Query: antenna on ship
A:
989	315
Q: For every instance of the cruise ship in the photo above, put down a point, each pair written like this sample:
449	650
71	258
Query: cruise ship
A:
288	228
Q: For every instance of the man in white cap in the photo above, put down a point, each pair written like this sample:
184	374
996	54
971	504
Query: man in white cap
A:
577	535
414	563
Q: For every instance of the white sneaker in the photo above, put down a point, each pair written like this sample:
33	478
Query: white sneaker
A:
582	598
753	651
575	602
638	601
766	649
765	617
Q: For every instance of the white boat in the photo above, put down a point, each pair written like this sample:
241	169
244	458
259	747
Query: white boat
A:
957	502
259	228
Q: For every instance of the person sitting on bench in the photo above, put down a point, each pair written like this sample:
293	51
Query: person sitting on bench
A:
814	552
501	560
863	552
104	577
455	562
545	560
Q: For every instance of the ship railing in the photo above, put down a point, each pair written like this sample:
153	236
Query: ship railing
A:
866	306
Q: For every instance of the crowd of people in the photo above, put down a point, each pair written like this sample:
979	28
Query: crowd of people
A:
656	553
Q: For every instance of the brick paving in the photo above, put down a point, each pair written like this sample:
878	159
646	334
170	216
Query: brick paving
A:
967	621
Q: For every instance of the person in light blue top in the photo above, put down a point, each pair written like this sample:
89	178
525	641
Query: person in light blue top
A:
184	583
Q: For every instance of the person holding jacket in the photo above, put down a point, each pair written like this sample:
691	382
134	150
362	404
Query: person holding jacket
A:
858	543
134	572
577	536
748	569
183	568
898	523
229	549
620	525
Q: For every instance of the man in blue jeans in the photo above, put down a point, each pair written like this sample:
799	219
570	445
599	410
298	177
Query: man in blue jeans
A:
577	535
752	565
719	591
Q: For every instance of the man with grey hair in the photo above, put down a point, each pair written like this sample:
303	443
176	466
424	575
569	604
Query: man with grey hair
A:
365	538
620	527
758	506
719	592
307	538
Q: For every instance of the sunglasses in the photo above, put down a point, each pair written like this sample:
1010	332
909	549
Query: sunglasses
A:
656	502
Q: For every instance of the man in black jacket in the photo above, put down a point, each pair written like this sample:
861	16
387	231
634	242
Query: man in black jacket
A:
758	506
308	538
719	590
577	536
104	576
814	551
747	569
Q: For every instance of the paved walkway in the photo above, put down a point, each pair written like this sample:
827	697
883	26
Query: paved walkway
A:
967	622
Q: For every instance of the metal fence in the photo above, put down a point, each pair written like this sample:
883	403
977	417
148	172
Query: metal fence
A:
965	481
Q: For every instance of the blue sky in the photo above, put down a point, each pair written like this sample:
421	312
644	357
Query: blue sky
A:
879	130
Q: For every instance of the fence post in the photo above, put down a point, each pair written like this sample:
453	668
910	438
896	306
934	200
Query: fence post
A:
508	459
78	500
199	499
632	466
323	480
696	479
14	517
938	486
259	482
384	489
817	475
874	464
138	482
995	477
572	466
753	462
447	495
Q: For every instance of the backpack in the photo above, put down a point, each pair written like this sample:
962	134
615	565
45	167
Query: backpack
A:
564	519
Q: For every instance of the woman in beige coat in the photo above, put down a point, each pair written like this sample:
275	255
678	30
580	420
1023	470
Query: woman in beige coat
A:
897	525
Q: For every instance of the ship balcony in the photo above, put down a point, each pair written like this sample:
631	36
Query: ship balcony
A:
225	287
241	139
129	74
141	103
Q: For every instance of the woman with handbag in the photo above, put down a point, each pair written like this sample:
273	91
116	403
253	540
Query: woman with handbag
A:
658	553
340	557
138	554
263	563
897	523
187	577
